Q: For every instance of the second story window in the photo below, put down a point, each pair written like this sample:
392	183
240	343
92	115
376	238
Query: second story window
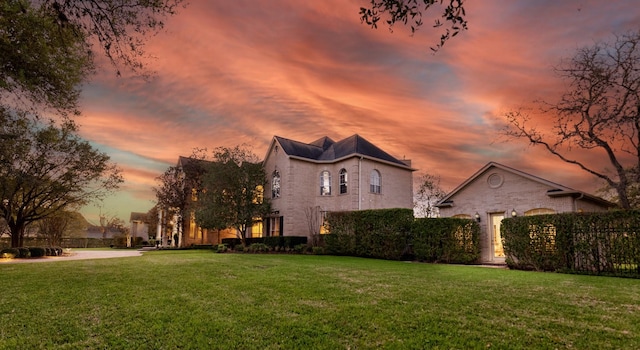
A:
343	181
375	182
275	185
325	183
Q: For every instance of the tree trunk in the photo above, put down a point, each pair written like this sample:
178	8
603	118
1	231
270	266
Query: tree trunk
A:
17	235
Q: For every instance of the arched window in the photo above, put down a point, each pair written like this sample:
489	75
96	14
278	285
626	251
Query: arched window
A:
539	211
343	181
325	183
275	185
374	186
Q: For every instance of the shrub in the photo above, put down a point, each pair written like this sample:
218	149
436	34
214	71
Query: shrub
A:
221	248
37	252
595	243
317	250
238	248
9	253
300	248
258	248
24	252
446	240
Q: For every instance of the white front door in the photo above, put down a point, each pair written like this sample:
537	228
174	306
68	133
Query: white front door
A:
496	238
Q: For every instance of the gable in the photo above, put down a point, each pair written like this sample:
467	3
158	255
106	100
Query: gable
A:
495	180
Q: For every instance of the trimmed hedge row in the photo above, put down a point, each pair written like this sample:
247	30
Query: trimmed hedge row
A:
446	240
595	243
271	242
66	242
394	234
30	252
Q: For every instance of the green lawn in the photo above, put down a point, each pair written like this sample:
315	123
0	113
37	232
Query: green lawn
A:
203	300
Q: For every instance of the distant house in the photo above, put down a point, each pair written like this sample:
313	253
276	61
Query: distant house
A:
497	191
306	180
139	226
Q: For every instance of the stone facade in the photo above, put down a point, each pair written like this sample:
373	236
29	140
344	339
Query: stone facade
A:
497	191
303	190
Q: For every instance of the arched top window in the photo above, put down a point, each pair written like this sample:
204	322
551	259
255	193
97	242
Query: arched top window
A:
374	184
343	181
462	216
325	183
539	211
275	185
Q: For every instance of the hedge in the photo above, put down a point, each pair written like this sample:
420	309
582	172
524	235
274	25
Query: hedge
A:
446	240
381	234
271	241
595	243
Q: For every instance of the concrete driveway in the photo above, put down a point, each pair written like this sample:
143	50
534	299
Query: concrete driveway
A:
78	255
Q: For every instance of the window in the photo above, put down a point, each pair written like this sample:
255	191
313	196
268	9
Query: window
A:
275	185
375	182
274	226
343	181
325	183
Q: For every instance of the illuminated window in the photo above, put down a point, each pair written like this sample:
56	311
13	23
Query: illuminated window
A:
539	211
343	181
325	183
543	238
258	196
274	228
275	185
256	229
374	186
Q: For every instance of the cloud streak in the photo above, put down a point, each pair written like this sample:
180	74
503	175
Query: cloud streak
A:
243	71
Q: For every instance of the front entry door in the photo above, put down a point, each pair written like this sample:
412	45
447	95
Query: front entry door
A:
496	238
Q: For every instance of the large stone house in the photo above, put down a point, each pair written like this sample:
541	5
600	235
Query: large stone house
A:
306	180
497	191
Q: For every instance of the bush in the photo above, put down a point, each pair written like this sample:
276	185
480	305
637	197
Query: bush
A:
258	248
596	243
221	248
37	252
446	240
317	250
382	234
239	248
24	253
9	253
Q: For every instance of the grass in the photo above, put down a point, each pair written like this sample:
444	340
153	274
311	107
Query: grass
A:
203	300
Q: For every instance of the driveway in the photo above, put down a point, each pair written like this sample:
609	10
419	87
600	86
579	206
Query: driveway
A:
78	255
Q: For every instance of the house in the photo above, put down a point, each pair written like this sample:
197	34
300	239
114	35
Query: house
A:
306	180
139	226
184	229
497	191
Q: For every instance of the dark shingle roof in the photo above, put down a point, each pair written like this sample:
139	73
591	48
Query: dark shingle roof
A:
325	149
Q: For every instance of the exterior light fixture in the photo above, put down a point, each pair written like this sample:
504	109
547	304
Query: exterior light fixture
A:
477	216
514	213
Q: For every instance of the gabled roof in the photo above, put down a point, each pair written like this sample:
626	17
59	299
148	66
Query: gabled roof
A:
327	150
135	216
556	190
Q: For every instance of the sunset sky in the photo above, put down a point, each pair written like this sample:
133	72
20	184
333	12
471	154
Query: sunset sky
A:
242	71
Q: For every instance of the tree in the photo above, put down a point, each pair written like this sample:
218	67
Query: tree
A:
42	63
410	12
179	185
46	168
232	191
53	228
427	195
599	115
47	45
